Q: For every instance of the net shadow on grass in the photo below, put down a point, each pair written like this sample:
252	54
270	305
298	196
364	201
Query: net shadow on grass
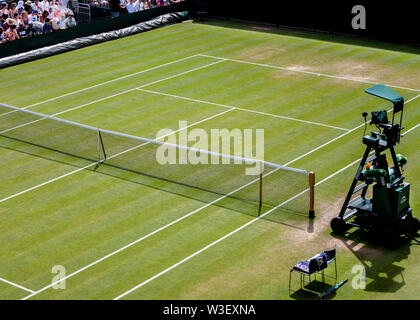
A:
312	291
212	178
233	202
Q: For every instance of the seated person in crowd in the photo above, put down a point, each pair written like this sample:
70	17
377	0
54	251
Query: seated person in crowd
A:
64	3
144	5
28	6
30	29
12	34
123	5
6	24
37	27
34	16
99	3
36	5
22	31
24	18
13	12
69	21
133	6
44	5
2	35
4	11
47	26
20	6
51	13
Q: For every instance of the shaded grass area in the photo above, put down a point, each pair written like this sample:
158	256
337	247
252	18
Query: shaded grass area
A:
87	215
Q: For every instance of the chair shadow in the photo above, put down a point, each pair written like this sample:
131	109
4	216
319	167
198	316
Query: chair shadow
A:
378	256
312	291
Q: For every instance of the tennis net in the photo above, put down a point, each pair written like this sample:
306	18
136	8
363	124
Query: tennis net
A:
134	158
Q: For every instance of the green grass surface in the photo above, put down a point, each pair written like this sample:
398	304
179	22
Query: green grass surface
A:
144	83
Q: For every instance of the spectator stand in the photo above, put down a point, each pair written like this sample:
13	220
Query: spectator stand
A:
81	11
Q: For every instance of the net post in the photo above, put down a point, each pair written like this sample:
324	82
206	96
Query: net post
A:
261	188
311	195
101	146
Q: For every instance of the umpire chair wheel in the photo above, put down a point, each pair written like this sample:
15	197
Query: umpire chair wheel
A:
338	225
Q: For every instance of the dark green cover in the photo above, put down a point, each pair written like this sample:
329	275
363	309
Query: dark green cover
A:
382	91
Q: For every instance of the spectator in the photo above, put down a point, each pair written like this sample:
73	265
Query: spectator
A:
143	5
36	6
37	27
56	24
30	29
16	18
69	21
47	26
28	6
33	16
13	10
4	10
133	6
6	25
51	13
115	8
123	5
22	31
2	36
24	18
64	3
104	3
29	18
163	3
11	33
44	5
43	16
20	7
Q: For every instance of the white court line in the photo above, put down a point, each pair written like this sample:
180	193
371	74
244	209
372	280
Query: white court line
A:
151	233
113	156
104	83
225	236
146	236
243	109
16	285
235	231
111	96
308	72
416	126
344	134
181	218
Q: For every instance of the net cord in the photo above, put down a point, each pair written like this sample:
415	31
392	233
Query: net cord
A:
44	116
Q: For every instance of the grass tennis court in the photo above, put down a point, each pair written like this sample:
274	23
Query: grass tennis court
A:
118	237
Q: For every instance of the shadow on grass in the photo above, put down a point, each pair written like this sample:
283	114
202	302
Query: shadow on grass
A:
312	291
379	255
307	34
234	203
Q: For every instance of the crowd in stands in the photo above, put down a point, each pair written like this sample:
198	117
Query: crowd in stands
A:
25	19
130	6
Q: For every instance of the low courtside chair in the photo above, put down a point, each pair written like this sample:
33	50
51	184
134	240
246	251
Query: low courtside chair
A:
314	265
